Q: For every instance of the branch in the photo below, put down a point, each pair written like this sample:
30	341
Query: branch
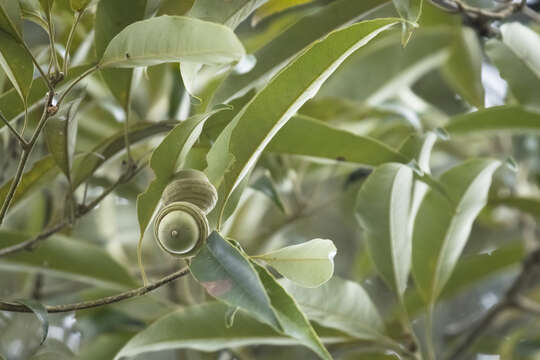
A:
14	307
511	300
81	211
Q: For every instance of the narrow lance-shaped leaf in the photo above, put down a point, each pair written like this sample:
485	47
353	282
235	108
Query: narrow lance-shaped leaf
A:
17	64
41	313
61	135
202	327
112	16
443	225
166	39
164	161
463	68
382	209
340	304
10	18
517	57
238	147
266	186
69	259
309	264
293	321
229	276
272	7
495	119
230	13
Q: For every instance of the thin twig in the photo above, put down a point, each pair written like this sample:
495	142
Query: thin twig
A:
510	300
81	211
13	131
40	69
75	82
78	17
14	307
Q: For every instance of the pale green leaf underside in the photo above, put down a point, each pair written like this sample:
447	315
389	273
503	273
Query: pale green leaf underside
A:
309	264
17	64
172	39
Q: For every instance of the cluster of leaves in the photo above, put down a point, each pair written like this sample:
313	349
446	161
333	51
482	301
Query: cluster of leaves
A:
279	103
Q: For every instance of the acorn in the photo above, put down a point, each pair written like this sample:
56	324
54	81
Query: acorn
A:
181	226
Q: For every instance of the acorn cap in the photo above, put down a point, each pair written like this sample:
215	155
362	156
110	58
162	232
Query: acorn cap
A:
181	228
191	186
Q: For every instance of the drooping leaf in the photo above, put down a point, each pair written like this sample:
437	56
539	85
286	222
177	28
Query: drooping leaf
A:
17	64
325	141
165	158
112	16
31	10
202	327
273	55
293	321
383	209
464	67
495	119
61	135
229	276
340	304
41	313
442	225
230	13
517	59
166	39
272	7
238	147
308	264
266	186
67	258
409	10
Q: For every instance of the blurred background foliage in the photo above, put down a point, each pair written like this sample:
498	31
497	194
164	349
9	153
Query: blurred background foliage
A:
448	69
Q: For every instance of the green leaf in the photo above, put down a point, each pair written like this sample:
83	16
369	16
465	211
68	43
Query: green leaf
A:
67	258
172	39
10	18
112	17
464	67
308	264
17	64
442	225
228	276
266	186
292	319
340	304
165	160
325	141
518	59
31	10
80	5
41	313
383	209
47	5
409	10
396	67
61	135
238	147
230	13
201	327
530	205
273	55
273	7
104	346
495	119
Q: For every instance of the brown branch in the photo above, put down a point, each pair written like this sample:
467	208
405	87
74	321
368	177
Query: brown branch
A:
15	307
81	211
511	300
